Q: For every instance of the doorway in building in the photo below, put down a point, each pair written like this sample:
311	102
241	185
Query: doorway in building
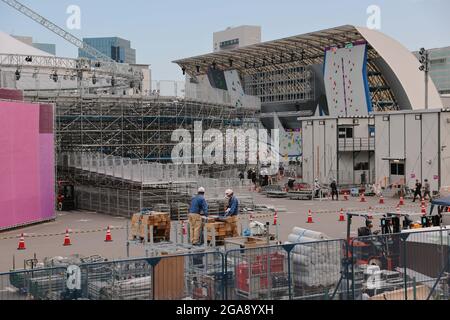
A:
397	172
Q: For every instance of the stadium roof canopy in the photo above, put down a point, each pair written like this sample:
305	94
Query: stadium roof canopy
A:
399	66
307	47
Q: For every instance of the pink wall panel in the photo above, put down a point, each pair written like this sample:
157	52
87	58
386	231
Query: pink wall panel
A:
26	166
47	174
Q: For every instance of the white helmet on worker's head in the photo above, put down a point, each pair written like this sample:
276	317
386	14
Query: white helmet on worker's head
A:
229	192
201	190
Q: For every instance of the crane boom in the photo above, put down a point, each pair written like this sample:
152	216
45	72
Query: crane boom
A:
115	67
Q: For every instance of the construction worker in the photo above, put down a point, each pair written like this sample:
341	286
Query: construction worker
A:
232	211
427	190
60	200
198	209
334	190
418	191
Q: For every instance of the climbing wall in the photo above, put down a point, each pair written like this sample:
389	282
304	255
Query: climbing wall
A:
235	89
346	84
290	142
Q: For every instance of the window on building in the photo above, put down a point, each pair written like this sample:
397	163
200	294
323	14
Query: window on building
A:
371	131
345	132
361	166
397	169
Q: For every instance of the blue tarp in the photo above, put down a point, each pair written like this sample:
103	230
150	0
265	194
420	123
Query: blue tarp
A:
441	202
444	202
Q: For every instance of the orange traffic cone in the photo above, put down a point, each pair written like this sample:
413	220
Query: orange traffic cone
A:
310	219
275	218
363	198
423	210
381	199
402	202
67	239
108	235
346	196
341	216
21	243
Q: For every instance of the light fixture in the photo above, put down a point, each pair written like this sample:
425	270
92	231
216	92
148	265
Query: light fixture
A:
28	59
54	76
94	79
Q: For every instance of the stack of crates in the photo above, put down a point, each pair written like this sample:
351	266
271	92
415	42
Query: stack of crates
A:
179	211
252	275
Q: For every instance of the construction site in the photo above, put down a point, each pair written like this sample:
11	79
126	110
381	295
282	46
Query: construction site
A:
343	204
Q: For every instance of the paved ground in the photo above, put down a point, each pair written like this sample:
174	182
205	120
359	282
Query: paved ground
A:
45	240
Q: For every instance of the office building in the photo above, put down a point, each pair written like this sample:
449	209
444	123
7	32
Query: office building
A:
116	48
232	38
46	47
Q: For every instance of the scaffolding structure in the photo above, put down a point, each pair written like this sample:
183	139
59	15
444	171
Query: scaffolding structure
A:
292	84
117	151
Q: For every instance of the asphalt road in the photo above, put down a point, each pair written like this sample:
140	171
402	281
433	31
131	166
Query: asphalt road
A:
88	229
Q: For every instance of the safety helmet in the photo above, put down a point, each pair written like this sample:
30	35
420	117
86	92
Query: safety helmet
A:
201	190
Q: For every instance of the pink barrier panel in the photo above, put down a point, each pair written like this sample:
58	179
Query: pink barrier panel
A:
26	166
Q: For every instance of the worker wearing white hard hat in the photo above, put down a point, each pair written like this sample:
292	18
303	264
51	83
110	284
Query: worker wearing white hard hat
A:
232	211
198	209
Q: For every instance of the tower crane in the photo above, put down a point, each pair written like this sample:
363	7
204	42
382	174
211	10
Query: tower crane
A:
115	68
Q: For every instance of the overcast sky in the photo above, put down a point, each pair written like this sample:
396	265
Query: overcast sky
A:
165	30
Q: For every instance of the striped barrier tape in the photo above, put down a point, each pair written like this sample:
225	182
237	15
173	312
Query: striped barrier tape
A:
43	235
241	217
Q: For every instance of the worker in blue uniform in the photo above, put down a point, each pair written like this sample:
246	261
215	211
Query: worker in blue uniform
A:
198	209
232	211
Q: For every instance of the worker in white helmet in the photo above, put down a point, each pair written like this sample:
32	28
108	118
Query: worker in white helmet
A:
198	209
232	211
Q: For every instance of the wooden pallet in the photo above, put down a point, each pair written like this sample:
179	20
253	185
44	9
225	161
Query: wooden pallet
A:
160	221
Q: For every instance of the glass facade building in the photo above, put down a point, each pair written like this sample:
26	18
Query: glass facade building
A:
116	48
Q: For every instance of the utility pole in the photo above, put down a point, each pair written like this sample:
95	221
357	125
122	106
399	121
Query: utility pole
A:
425	67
